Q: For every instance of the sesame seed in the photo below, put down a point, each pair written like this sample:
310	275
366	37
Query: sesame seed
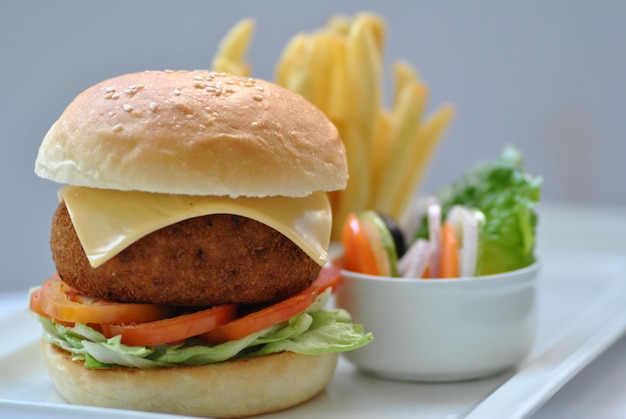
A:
115	95
211	88
260	88
132	89
199	84
109	89
202	126
127	107
117	128
108	95
218	92
153	106
258	98
176	92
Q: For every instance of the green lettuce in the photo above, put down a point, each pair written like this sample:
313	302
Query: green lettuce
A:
314	332
507	197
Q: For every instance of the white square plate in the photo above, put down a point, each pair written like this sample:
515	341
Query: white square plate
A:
581	294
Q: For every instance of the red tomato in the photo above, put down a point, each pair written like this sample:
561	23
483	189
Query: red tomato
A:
173	329
148	324
34	305
262	319
63	303
329	277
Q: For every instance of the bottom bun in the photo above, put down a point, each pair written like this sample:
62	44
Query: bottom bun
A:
239	388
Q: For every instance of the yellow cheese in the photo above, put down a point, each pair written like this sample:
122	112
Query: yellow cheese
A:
108	221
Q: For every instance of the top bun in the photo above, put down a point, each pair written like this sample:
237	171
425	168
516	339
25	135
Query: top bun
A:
195	133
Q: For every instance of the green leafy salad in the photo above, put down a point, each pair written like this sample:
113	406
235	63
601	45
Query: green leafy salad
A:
502	197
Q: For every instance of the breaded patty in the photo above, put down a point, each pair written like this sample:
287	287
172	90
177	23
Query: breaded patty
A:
204	261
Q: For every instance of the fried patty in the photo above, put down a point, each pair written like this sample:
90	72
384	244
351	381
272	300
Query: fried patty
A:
204	261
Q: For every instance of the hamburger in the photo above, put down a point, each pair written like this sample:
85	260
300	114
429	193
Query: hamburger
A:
190	244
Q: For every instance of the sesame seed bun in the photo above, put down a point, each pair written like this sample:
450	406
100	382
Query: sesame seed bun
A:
230	389
196	133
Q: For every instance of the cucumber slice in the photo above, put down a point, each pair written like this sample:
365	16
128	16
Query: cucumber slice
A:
382	243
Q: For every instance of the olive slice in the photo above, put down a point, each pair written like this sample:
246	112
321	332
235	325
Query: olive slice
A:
396	233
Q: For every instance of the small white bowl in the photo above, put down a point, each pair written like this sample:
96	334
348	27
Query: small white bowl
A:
441	329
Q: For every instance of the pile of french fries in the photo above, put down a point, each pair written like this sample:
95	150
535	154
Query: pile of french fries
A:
339	68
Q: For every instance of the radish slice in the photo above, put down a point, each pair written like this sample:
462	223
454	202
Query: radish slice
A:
434	237
412	219
466	226
415	261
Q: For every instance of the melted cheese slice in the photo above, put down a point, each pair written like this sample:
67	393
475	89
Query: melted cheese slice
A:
108	221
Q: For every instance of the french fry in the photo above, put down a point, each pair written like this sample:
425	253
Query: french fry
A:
338	24
323	53
293	71
405	125
376	24
339	106
293	51
357	190
339	69
379	152
403	74
233	48
428	138
364	63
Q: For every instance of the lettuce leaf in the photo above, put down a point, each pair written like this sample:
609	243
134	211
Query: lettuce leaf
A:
316	331
507	196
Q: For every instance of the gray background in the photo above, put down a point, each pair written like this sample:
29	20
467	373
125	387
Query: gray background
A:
548	77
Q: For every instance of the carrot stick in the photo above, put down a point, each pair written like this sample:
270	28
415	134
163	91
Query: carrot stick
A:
358	253
449	252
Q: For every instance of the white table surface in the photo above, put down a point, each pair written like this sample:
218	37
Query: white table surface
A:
598	388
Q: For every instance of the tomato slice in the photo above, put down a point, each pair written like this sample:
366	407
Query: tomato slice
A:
63	303
173	329
262	319
149	324
328	277
34	305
